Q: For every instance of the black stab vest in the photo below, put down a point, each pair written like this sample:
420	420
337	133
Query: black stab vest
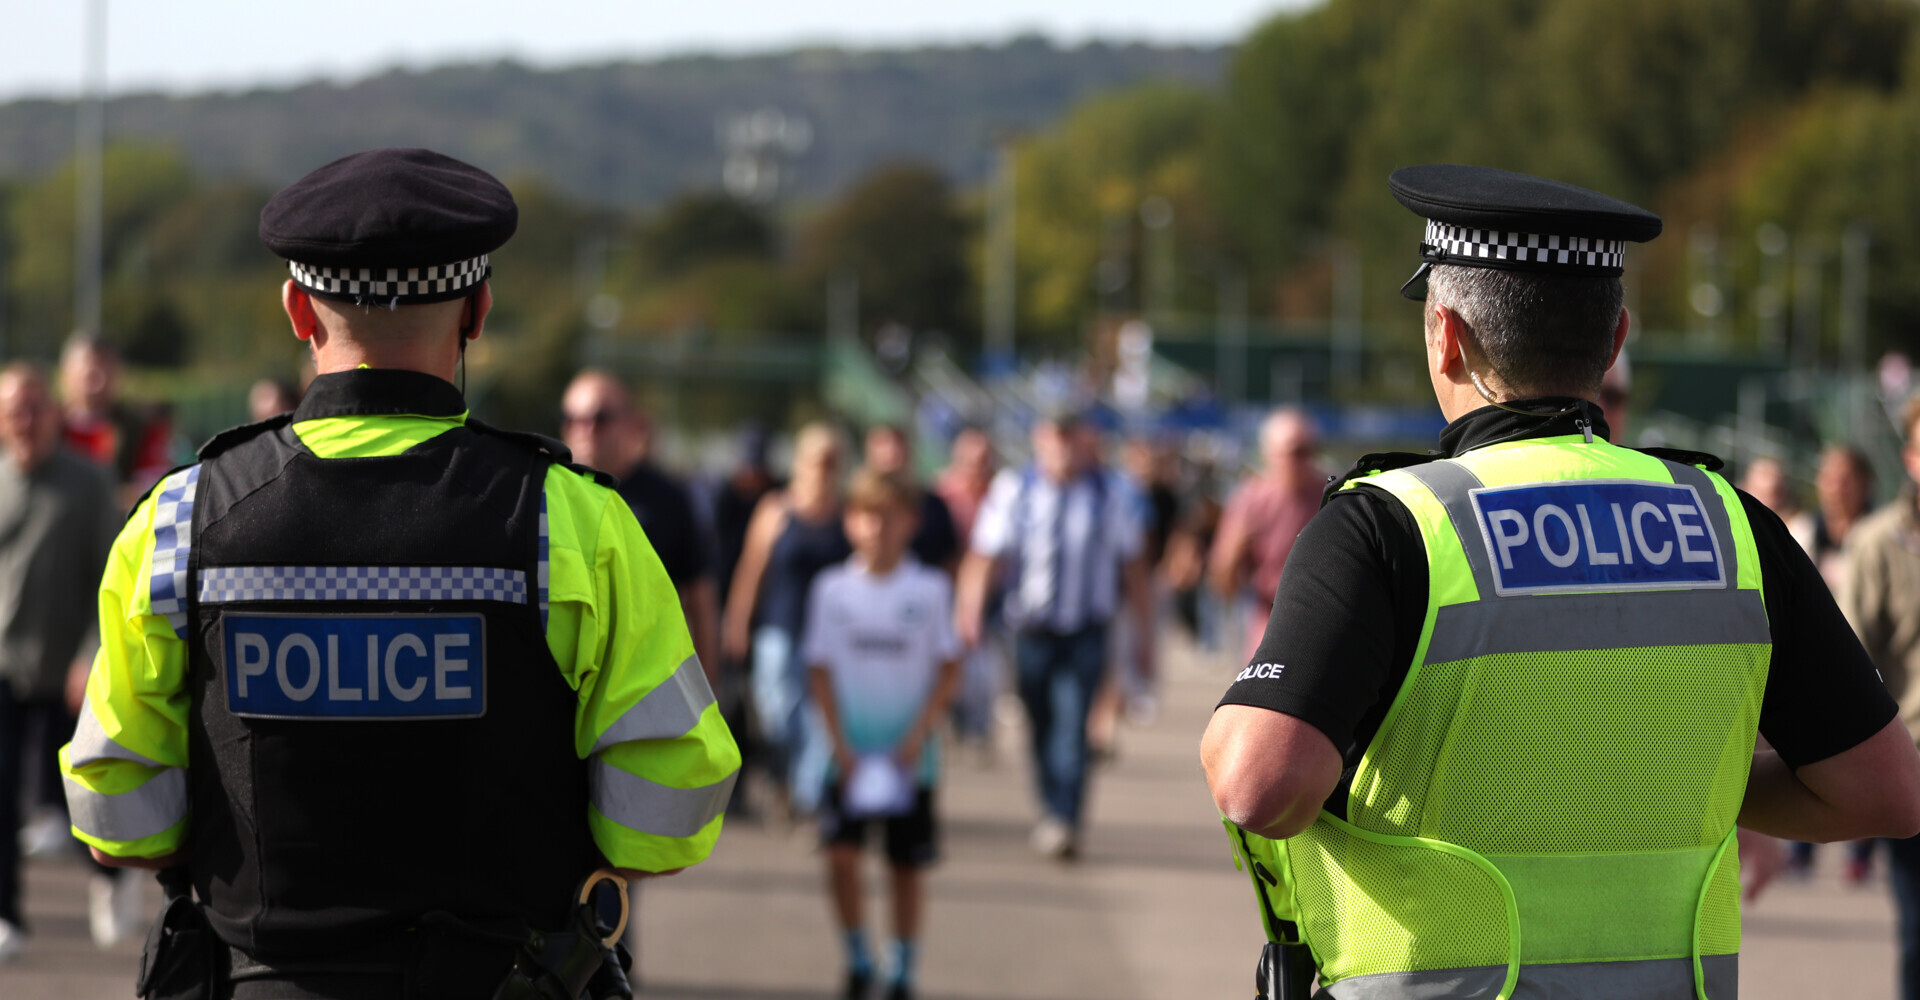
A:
314	836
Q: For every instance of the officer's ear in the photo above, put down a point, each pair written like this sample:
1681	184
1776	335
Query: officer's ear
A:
473	313
1619	336
299	309
1446	345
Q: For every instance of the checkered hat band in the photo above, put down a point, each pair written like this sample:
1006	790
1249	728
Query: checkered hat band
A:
389	282
1489	244
230	584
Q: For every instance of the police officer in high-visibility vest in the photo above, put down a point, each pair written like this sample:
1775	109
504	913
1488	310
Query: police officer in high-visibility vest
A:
1501	728
381	688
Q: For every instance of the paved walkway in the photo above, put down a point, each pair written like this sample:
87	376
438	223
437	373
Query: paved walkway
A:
1153	910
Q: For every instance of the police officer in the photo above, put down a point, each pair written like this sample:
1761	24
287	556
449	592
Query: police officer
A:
387	683
1502	723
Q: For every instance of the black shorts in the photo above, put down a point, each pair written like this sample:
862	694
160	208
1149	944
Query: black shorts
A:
912	839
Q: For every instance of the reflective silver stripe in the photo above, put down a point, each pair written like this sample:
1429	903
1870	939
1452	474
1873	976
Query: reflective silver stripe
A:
1716	509
1561	622
1476	983
1650	979
1451	482
172	542
92	744
668	711
227	584
132	815
650	807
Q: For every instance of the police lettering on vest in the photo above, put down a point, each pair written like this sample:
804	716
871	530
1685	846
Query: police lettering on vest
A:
355	666
1594	535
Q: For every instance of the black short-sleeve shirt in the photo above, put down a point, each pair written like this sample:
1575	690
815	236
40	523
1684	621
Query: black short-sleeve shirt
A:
666	515
1353	597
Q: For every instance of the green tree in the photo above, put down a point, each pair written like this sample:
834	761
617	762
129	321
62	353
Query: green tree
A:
1847	158
1079	195
899	234
706	226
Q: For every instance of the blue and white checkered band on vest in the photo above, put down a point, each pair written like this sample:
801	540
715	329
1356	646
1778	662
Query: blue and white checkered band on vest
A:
1452	241
390	282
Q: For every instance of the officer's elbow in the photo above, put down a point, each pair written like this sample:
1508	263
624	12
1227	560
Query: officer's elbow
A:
1273	816
1273	796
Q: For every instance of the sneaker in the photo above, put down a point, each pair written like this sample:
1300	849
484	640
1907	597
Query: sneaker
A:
859	985
1052	838
13	941
899	991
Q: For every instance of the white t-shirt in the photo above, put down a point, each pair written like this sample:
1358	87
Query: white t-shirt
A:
882	639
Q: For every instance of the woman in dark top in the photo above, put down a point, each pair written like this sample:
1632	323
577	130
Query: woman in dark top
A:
795	533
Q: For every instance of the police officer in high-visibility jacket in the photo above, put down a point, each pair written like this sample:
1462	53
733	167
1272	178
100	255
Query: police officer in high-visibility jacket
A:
387	684
1502	725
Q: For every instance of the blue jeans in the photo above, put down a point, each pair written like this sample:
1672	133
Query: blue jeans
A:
1903	876
1059	674
799	748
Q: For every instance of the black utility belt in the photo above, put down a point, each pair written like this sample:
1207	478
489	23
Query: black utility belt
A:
443	957
389	959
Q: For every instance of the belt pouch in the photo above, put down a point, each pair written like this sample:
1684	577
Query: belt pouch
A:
457	960
182	958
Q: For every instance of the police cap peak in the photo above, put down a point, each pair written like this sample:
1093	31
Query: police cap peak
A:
1484	217
390	226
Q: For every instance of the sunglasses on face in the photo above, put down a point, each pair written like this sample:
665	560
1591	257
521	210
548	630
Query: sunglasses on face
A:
597	419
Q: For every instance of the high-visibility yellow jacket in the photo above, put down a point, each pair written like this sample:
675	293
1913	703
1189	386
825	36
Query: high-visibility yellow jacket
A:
1548	808
663	761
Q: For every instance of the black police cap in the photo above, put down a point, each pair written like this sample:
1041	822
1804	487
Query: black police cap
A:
1483	217
390	227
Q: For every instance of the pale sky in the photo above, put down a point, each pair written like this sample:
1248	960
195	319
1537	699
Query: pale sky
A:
185	46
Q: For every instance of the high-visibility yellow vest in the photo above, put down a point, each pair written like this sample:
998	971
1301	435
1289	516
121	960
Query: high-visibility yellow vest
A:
1548	807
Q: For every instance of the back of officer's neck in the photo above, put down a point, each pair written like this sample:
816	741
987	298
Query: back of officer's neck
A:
1457	399
438	356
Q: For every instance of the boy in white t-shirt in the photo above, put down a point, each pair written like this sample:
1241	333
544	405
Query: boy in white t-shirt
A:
883	663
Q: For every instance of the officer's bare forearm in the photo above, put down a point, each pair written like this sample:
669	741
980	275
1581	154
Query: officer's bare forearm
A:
1870	790
1269	772
160	863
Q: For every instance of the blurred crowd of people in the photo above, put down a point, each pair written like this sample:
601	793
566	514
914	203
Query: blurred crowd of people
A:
77	456
1060	572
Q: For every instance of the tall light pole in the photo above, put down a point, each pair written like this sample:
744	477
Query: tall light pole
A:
89	143
1002	276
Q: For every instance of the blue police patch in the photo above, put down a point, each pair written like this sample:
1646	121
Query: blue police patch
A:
355	666
1598	535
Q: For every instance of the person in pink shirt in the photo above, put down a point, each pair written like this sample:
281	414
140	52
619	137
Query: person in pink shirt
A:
1263	517
963	483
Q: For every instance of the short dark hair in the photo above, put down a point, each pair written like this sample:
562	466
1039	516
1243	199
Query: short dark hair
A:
1541	333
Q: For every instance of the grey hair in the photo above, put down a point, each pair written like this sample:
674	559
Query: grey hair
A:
1542	334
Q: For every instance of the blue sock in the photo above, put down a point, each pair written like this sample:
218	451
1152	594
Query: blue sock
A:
903	950
859	960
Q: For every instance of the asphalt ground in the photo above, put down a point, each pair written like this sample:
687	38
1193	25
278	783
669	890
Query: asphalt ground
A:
1153	909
